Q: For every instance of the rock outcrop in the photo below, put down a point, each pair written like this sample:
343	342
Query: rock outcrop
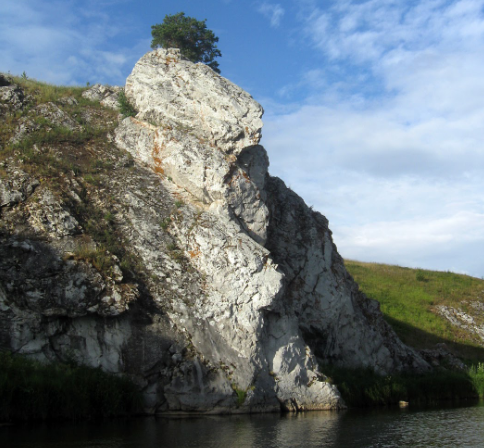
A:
221	292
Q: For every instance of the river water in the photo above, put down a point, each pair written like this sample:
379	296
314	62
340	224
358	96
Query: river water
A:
383	428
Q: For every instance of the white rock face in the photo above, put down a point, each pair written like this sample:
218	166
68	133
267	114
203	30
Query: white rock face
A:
166	87
228	294
17	189
200	130
11	97
107	96
276	295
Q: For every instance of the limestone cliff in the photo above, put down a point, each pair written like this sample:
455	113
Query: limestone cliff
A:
167	252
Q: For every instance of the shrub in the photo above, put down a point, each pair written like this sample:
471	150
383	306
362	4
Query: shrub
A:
125	107
420	276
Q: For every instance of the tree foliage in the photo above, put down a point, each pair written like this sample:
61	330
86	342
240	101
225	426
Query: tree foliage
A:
191	36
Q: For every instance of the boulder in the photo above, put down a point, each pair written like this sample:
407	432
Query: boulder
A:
12	98
106	95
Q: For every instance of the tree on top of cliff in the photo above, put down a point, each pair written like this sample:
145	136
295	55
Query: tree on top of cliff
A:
191	36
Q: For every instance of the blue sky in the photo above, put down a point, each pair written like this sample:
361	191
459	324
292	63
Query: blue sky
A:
374	109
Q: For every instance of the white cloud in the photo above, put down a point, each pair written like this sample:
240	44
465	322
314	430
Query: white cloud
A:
273	11
453	243
64	42
390	143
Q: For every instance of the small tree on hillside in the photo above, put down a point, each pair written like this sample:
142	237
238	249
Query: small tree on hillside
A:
191	36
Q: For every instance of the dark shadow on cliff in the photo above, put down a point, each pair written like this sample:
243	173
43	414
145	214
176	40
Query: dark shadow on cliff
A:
449	381
419	339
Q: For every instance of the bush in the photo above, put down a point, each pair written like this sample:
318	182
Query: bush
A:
125	108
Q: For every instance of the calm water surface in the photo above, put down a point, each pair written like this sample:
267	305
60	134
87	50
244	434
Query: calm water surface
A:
442	427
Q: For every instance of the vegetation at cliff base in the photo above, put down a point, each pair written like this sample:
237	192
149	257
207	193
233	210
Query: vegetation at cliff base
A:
410	300
30	390
191	36
363	387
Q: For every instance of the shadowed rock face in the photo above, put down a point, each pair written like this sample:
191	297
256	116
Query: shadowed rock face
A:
244	293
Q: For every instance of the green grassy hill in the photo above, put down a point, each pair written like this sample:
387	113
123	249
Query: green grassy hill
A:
416	302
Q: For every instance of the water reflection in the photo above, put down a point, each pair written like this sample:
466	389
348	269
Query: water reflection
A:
388	428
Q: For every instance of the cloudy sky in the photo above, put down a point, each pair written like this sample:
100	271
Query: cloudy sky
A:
374	109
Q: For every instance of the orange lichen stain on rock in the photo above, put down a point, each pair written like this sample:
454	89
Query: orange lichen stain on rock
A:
158	145
194	253
171	59
158	162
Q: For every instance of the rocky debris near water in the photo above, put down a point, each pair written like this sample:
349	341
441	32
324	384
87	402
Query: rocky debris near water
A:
226	292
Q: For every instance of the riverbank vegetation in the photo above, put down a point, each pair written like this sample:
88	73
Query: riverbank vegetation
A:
363	387
410	300
30	390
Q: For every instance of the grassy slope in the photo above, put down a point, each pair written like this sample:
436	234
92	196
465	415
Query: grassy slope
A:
81	154
408	298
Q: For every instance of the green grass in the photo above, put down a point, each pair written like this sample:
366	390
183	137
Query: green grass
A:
55	153
476	374
98	257
30	390
408	300
43	92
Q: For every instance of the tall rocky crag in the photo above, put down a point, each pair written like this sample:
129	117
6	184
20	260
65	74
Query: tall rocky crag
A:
226	293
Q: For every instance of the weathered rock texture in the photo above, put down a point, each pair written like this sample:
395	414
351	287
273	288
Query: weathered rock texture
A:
222	291
471	320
